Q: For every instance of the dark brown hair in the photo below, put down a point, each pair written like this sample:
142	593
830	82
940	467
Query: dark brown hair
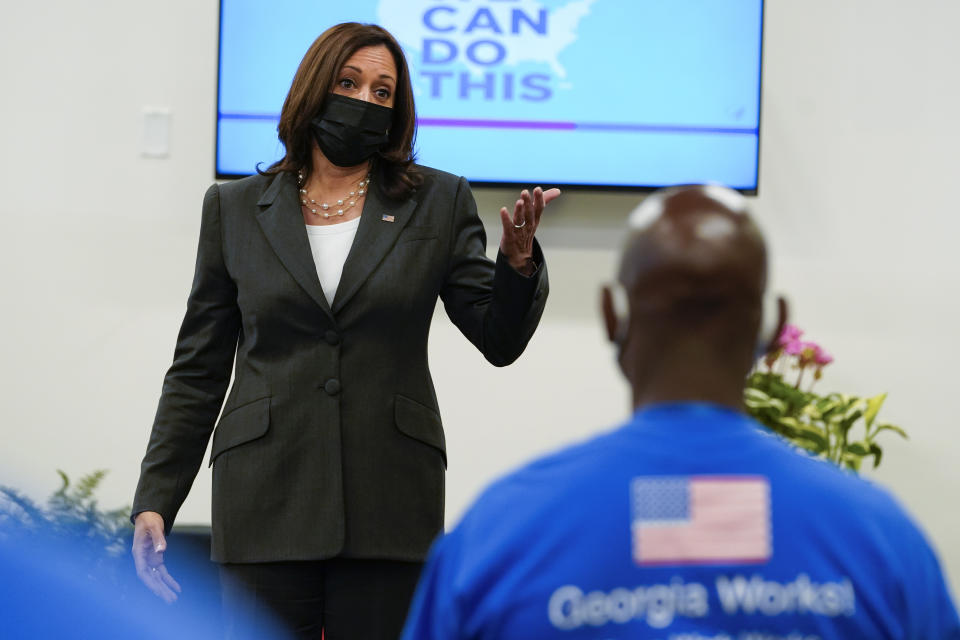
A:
316	77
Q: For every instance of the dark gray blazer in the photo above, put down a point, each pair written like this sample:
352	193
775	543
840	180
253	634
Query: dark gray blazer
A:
330	442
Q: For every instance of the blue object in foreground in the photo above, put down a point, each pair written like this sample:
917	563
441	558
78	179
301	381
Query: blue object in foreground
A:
45	592
691	522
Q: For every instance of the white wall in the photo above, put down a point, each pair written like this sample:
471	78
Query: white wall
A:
860	140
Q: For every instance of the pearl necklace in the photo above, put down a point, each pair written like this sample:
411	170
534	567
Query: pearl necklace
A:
343	204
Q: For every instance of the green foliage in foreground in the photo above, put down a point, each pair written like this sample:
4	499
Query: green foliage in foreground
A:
72	518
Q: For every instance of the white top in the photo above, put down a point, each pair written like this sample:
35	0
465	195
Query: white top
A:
330	245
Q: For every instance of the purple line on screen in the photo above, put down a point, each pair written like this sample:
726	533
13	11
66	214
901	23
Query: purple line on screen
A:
535	125
495	124
661	128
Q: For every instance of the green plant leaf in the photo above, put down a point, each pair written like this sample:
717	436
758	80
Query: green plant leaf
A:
859	448
88	484
873	408
812	411
812	434
877	453
850	418
851	461
758	395
66	483
827	405
758	400
786	427
894	428
813	447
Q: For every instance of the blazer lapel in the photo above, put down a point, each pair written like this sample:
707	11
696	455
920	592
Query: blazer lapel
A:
283	225
380	226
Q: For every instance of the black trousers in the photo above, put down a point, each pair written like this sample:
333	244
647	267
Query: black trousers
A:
342	598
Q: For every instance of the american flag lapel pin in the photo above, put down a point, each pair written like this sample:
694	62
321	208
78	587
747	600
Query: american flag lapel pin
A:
387	217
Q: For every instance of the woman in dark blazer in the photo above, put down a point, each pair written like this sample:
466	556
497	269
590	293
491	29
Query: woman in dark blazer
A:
328	458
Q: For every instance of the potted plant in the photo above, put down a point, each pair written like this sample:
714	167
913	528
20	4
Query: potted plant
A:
840	427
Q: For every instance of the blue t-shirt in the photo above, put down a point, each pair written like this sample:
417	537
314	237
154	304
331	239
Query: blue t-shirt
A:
691	522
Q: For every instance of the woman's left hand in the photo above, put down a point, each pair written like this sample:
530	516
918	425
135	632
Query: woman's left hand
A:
516	243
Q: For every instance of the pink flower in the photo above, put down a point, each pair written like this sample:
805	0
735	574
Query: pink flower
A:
822	358
810	353
791	333
793	348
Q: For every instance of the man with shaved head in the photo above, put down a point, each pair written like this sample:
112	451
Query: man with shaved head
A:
691	521
693	270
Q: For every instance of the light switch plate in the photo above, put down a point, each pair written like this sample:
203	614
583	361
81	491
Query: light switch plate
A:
156	132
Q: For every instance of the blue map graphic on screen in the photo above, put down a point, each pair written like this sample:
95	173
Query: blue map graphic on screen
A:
629	93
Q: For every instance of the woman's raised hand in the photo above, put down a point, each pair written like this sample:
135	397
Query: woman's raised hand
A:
518	229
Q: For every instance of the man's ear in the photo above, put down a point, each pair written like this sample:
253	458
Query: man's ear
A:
616	312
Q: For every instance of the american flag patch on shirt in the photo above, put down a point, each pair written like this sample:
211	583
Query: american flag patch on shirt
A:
387	218
722	519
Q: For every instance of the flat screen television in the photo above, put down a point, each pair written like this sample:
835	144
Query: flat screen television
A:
634	94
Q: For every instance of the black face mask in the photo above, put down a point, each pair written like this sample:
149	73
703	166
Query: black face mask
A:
349	131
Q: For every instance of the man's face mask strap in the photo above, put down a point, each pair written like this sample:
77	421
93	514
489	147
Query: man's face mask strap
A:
621	311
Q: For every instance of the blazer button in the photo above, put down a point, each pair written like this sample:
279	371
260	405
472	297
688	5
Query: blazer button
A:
332	386
332	337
